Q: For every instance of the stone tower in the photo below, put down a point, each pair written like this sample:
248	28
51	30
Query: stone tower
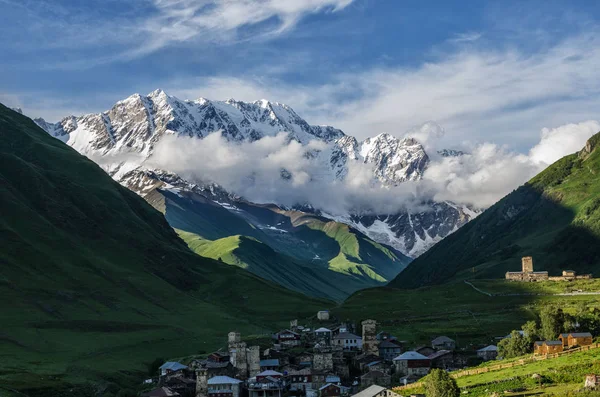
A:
369	337
527	263
201	382
253	360
234	338
237	354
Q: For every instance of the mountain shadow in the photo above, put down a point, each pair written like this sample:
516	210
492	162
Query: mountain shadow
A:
93	279
555	217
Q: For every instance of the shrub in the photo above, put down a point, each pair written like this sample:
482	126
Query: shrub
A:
440	384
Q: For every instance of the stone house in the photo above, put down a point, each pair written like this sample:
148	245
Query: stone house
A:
443	343
376	391
171	367
304	359
348	341
424	350
182	384
267	384
548	347
442	359
214	365
375	377
323	335
288	338
408	379
362	360
527	273
576	339
332	390
412	363
300	381
269	364
389	350
161	392
488	353
224	386
323	315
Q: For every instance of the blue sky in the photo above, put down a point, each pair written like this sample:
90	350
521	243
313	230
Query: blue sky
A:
497	71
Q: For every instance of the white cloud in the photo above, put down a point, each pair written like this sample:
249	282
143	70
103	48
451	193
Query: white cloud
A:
182	20
253	170
476	95
489	172
557	142
466	37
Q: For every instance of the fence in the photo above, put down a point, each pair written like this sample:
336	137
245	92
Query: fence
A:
497	367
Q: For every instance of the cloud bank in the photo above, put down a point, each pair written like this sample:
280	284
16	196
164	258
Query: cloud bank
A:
254	170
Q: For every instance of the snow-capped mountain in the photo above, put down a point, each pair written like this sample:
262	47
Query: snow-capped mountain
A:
122	139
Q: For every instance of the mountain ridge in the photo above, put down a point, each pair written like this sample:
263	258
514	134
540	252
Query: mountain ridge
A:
84	259
554	217
132	127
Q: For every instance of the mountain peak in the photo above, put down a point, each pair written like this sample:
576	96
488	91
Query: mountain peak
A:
158	93
590	146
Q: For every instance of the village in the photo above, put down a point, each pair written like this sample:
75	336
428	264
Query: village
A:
329	361
330	358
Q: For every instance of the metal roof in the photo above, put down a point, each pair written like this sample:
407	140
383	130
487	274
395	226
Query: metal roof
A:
411	356
387	344
441	339
223	380
173	366
370	391
270	373
490	348
346	335
274	362
437	354
552	342
327	385
580	334
323	329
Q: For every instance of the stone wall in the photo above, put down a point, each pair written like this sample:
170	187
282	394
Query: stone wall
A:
323	362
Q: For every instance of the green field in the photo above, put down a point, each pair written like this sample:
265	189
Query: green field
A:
458	311
562	376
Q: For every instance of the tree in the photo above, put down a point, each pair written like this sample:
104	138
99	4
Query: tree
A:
155	365
553	322
126	393
440	384
514	346
531	331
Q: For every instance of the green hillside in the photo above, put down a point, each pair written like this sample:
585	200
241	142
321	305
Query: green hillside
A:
300	251
562	376
257	257
555	217
95	283
459	311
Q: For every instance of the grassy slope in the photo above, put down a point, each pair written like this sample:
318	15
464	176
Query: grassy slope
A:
93	280
555	217
300	251
356	253
253	255
561	376
457	310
